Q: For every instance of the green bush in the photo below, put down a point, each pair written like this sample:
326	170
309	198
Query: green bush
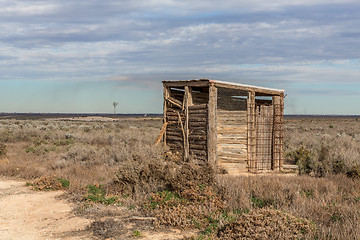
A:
303	159
96	194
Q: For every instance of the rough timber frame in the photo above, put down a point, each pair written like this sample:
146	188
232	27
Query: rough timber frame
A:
194	122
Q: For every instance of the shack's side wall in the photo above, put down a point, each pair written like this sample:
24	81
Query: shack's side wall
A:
186	115
173	137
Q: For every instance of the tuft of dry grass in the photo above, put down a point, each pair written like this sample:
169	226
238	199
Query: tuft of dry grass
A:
332	203
266	224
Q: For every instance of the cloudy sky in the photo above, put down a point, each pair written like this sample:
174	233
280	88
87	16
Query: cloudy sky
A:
80	56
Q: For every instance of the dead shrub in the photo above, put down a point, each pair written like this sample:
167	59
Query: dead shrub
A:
49	183
266	224
195	207
107	229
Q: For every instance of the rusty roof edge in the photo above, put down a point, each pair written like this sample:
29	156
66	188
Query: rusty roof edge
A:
245	85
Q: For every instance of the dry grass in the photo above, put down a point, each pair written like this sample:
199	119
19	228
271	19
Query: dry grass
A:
122	157
82	152
332	203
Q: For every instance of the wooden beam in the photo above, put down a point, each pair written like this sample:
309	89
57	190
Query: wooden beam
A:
211	126
187	96
190	83
278	104
251	132
258	90
184	136
174	102
162	131
166	95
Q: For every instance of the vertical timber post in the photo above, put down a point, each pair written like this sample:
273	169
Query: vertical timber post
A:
166	96
211	133
281	112
251	132
278	102
186	128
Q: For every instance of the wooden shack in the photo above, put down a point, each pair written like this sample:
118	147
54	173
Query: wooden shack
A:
235	126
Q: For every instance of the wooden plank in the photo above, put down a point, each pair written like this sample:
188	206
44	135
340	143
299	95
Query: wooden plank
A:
165	109
186	106
194	137
234	131
242	155
278	132
230	113
251	132
198	111
232	141
174	133
161	134
198	115
174	102
198	119
197	124
183	133
173	110
222	160
198	152
234	168
199	142
241	119
211	137
198	107
190	83
174	118
241	127
174	138
232	146
281	129
198	146
232	123
249	88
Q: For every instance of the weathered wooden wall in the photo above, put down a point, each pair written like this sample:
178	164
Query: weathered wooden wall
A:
174	136
232	140
198	131
187	134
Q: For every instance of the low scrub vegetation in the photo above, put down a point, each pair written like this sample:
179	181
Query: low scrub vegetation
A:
49	183
117	164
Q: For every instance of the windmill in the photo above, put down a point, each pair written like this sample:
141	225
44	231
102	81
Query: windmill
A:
115	104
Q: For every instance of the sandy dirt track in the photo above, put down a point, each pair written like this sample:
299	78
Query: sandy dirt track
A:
35	215
26	214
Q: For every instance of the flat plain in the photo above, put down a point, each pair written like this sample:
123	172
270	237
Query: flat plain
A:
113	175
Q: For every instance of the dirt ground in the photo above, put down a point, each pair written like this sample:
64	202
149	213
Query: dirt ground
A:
27	215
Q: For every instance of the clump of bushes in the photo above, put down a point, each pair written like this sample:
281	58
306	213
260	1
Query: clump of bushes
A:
139	177
196	207
49	183
266	224
322	162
